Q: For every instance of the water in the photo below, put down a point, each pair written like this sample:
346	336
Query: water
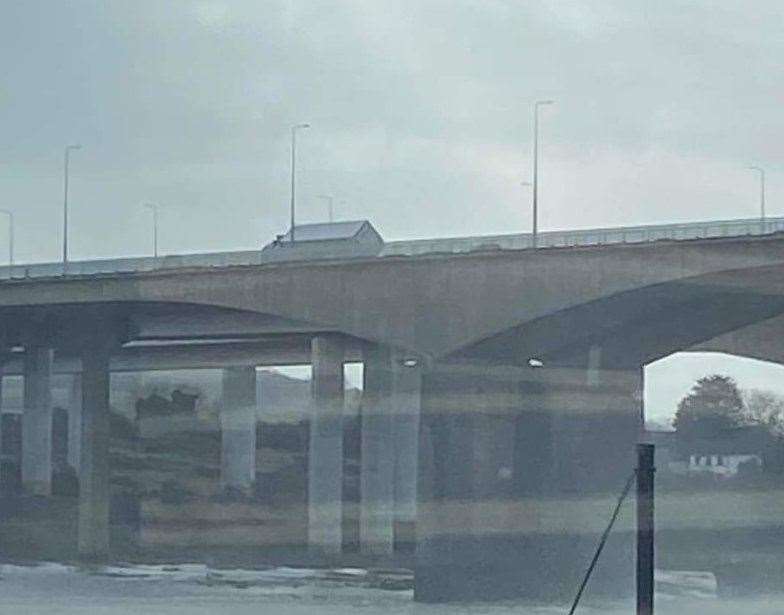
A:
197	589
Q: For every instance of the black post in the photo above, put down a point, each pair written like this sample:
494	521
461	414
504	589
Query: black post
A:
645	529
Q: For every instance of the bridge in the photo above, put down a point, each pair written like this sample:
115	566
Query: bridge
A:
499	379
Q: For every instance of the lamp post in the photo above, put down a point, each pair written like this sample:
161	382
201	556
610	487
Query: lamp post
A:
294	130
761	172
153	207
537	105
10	215
68	150
330	204
527	184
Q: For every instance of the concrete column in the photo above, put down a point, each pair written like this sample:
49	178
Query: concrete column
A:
238	428
325	459
406	385
93	540
1	409
513	461
75	423
377	471
37	421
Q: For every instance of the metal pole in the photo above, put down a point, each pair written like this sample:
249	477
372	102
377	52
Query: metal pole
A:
154	208
536	174
761	172
155	231
68	150
535	224
10	215
293	170
645	528
65	213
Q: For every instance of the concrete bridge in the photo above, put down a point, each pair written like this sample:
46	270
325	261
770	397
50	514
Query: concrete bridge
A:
500	381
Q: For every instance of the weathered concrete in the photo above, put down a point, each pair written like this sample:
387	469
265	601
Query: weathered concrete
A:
436	304
238	419
37	421
75	423
93	536
512	464
388	472
377	473
325	458
406	385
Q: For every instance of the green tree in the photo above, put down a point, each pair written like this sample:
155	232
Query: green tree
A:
713	405
765	408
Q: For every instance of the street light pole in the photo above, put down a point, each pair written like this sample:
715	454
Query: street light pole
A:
761	172
154	208
68	150
330	202
535	226
10	215
294	130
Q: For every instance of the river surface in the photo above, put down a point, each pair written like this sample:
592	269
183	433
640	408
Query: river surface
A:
197	589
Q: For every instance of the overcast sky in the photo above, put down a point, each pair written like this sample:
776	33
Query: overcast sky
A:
421	114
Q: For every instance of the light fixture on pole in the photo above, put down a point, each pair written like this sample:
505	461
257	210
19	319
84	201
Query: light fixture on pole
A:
761	172
294	130
153	207
10	215
330	205
68	150
535	226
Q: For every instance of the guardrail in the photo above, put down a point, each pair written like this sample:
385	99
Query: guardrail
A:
589	237
454	245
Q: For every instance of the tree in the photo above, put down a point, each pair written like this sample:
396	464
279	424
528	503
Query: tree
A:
713	406
766	409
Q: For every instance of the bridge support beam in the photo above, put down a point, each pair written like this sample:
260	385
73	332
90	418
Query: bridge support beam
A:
377	472
93	538
388	473
37	420
514	464
75	423
238	429
325	457
406	384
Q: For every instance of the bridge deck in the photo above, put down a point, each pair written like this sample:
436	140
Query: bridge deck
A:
418	247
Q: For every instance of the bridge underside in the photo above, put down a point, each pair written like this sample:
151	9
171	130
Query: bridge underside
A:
518	462
528	437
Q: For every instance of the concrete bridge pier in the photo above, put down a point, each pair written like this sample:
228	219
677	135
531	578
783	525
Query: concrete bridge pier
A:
93	533
75	423
5	355
517	468
238	419
407	382
37	420
377	472
325	456
390	425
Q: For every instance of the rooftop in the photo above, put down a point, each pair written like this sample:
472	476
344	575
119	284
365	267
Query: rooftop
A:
325	231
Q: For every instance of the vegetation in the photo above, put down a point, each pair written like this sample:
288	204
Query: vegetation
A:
713	406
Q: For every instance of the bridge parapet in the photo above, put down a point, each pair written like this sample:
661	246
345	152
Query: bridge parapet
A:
708	229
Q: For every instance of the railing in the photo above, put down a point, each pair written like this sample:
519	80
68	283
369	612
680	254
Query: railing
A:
589	237
454	245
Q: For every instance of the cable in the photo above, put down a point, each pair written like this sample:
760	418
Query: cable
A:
606	534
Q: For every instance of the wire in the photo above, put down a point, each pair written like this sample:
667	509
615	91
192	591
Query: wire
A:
603	540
